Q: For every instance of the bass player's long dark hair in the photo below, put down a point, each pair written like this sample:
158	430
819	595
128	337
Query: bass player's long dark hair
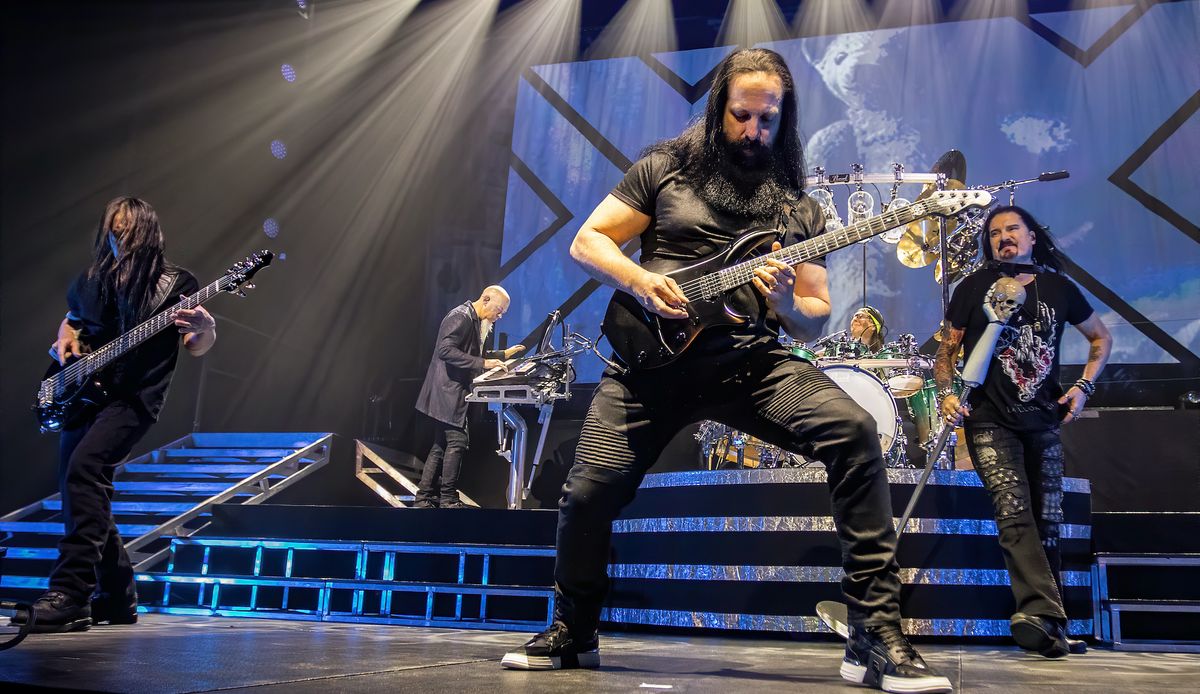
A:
127	258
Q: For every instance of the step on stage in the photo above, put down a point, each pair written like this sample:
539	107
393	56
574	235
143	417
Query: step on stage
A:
166	653
745	550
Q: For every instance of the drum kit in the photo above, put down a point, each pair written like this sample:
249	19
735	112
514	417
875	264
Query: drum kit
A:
894	385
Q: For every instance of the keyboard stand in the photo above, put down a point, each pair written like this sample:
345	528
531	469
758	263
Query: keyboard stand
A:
503	400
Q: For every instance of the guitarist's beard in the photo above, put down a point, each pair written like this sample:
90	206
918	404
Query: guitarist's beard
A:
742	179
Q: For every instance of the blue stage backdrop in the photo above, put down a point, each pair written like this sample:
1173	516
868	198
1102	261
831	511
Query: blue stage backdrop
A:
1110	94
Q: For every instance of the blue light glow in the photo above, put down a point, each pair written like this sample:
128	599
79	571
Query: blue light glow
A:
271	227
288	72
278	149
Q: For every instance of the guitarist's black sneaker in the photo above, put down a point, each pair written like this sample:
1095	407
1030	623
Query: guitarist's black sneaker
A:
54	612
555	649
1042	634
883	658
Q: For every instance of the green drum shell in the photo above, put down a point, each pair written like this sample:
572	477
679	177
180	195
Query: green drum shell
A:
804	353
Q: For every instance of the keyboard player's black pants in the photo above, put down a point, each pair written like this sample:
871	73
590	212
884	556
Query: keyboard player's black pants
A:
439	479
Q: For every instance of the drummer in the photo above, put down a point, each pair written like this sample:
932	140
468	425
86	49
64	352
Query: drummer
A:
864	336
867	327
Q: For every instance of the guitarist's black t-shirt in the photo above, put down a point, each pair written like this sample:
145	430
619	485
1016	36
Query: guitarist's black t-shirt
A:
683	227
145	372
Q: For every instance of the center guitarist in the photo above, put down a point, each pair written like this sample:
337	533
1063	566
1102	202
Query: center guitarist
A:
738	168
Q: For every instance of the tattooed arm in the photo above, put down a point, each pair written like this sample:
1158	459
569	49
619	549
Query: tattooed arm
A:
943	373
1101	346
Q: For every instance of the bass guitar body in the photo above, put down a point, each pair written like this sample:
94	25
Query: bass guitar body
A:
645	340
77	402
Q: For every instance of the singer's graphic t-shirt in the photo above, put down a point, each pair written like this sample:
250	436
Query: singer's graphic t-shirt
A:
1021	389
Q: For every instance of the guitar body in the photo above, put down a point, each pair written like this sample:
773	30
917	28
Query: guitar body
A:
77	402
645	340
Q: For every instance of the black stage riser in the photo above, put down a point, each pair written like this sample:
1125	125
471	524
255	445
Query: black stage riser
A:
756	549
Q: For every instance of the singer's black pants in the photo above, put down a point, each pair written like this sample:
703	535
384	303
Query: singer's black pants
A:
763	391
1023	473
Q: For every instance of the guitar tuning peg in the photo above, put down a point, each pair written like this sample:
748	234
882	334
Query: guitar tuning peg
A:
240	293
249	285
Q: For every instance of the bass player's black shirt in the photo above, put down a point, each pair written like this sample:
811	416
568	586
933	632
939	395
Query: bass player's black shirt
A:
145	372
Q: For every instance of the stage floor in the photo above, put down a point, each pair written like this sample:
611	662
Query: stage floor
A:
195	654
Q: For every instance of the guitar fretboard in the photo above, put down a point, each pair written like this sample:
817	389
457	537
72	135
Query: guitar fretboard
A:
80	370
741	273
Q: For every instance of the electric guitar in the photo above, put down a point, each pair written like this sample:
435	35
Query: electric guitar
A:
70	391
645	340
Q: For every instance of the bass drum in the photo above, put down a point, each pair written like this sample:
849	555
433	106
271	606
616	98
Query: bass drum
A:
873	396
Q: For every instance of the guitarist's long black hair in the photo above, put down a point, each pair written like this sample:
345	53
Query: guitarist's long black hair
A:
131	273
702	140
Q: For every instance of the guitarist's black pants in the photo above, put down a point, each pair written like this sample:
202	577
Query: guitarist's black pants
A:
765	392
91	551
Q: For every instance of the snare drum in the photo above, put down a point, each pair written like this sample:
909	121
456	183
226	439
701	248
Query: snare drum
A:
799	349
872	395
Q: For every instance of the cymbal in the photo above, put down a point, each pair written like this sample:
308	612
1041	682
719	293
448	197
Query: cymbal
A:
927	227
918	248
953	164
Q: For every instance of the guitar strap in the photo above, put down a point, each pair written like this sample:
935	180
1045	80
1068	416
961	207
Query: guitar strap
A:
165	281
785	213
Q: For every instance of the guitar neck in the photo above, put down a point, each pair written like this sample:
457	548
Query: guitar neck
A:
114	350
741	273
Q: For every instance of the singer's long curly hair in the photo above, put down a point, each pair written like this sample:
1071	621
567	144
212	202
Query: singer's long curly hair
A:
1045	250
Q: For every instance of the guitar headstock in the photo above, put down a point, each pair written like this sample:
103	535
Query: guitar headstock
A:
950	202
243	271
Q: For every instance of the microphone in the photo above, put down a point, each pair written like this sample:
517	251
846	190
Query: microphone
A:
1054	176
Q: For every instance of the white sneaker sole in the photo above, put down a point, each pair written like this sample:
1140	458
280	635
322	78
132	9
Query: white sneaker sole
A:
899	685
520	661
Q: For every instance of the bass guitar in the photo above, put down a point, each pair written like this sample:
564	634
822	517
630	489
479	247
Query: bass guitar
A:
645	340
69	391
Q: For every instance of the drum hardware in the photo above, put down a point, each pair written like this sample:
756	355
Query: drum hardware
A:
721	444
823	196
892	236
860	204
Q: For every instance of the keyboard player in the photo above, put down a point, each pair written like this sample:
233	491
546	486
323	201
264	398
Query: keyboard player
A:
458	357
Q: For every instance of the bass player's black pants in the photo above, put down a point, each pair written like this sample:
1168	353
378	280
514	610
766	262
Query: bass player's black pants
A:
763	391
91	552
